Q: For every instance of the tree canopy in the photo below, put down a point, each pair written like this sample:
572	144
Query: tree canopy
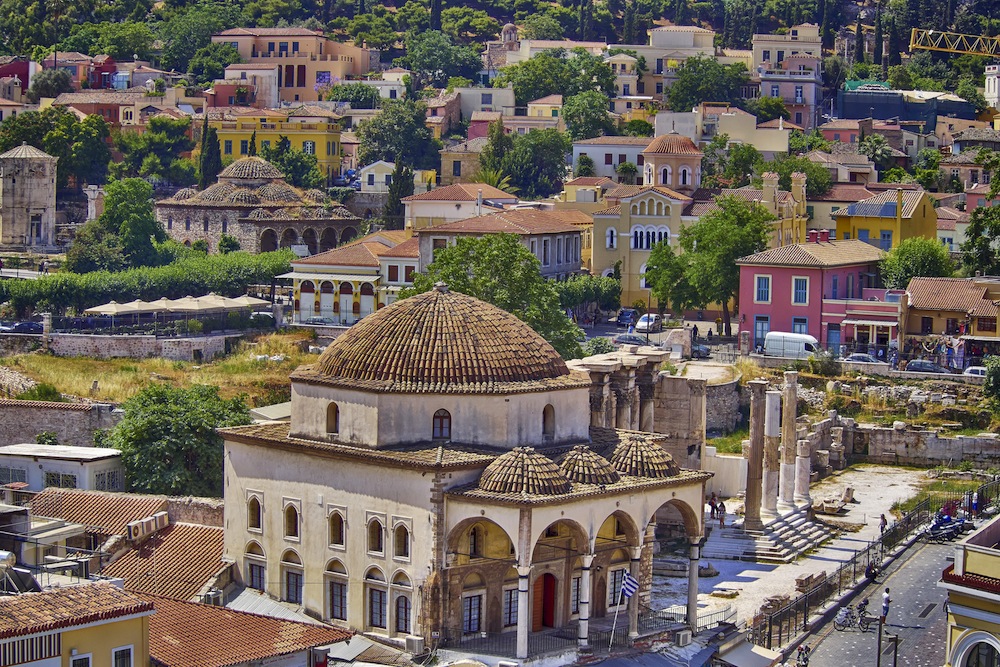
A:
915	257
156	153
300	168
358	95
556	72
704	79
433	58
497	268
79	144
537	162
168	441
49	83
398	133
210	62
818	180
981	250
586	115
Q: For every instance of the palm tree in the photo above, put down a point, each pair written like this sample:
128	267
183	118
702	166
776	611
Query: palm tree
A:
627	171
876	149
497	178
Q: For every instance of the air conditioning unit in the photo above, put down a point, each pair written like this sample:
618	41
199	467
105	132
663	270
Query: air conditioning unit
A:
682	637
213	597
414	645
161	520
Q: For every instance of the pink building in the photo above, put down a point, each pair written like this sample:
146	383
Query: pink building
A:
975	197
822	288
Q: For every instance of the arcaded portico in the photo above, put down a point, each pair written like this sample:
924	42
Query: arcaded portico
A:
441	478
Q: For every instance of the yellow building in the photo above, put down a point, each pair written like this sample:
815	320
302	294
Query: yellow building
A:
961	312
888	218
459	163
310	129
549	106
973	608
90	625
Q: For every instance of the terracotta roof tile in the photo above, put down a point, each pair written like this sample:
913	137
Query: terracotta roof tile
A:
829	253
977	134
66	607
548	99
524	471
365	253
101	96
102	512
611	210
48	405
471	146
776	123
586	181
461	192
176	562
704	199
614	141
965	157
627	191
952	294
883	205
840	124
251	167
266	32
672	144
486	115
409	248
841	192
188	634
516	221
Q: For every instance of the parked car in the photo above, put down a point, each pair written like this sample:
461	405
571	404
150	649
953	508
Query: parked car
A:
629	339
978	371
320	321
700	351
27	327
651	322
339	181
6	326
924	366
627	316
356	185
861	357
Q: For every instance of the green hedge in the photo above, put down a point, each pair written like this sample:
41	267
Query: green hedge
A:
228	275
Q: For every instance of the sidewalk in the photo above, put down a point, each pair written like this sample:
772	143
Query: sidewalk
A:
876	488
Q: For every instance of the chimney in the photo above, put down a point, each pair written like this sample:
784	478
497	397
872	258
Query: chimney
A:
770	194
899	210
812	236
479	202
824	236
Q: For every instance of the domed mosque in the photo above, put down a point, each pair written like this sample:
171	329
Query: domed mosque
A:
440	481
252	202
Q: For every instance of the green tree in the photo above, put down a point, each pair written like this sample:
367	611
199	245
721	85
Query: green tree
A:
583	292
585	166
704	79
358	95
210	159
557	72
252	146
128	212
991	387
89	154
899	78
168	440
210	62
799	142
879	37
537	163
877	149
49	83
981	250
627	171
413	17
300	168
269	13
666	274
94	248
598	345
498	145
400	186
156	153
372	30
228	244
769	108
497	268
915	257
496	179
741	159
859	41
638	128
191	28
969	92
125	40
433	58
586	115
399	133
469	26
818	179
542	26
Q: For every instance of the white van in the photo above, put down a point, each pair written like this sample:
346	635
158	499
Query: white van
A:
792	345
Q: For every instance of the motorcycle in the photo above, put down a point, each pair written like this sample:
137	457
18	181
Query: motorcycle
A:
847	618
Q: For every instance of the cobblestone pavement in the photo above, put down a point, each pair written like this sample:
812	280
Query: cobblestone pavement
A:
916	615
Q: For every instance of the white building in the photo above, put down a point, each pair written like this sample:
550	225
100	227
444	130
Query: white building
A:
457	201
608	152
41	466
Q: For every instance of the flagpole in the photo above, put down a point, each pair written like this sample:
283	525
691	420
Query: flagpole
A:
614	625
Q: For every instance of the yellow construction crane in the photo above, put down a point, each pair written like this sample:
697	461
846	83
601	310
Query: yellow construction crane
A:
954	42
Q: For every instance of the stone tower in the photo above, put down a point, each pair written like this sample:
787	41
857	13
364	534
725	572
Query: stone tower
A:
27	197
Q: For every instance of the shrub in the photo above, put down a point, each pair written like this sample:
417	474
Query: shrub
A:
42	392
824	363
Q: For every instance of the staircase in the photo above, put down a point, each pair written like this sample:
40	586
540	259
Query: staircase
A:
783	540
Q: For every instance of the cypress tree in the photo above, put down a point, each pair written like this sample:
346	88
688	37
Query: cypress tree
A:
628	24
877	47
824	31
859	42
210	161
401	186
435	14
893	56
252	149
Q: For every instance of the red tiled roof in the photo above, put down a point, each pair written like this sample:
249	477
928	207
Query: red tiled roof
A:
548	99
841	192
590	180
614	141
518	221
266	32
672	144
611	210
176	562
841	124
627	191
461	192
952	294
828	253
364	253
102	512
409	248
31	613
187	634
776	123
48	405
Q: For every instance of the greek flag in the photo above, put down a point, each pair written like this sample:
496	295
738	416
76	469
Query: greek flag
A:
629	585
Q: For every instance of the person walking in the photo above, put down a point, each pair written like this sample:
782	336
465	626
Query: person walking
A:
885	605
712	506
975	504
720	511
882	524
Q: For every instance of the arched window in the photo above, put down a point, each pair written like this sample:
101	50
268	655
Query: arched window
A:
642	276
254	514
291	521
256	567
336	581
375	536
665	176
332	418
204	224
685	176
475	542
442	425
650	239
983	655
401	542
291	567
338	535
636	239
403	613
611	238
170	222
548	422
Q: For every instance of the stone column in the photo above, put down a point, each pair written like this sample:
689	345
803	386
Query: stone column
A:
600	399
755	463
583	627
523	611
633	602
803	467
646	404
772	439
623	408
692	606
786	502
698	417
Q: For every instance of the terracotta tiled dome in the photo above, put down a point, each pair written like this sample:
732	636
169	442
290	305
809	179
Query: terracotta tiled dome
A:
243	196
259	214
315	195
638	457
217	192
281	214
524	471
584	465
672	144
279	192
185	193
253	168
442	342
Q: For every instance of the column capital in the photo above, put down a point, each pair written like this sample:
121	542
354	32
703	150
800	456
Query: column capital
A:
524	571
587	560
635	552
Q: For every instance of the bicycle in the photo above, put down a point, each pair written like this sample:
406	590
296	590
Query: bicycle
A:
847	618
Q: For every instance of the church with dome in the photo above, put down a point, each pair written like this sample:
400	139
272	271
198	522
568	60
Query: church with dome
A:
446	478
252	203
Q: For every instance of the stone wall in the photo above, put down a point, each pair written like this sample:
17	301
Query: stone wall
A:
12	343
202	511
908	446
679	413
724	409
193	348
73	423
367	205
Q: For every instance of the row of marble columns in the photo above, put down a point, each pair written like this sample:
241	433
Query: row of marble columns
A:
778	465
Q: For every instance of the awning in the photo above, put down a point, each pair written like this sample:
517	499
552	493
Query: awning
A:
334	277
982	339
746	654
870	323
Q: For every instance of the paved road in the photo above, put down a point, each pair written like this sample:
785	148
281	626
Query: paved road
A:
23	274
916	615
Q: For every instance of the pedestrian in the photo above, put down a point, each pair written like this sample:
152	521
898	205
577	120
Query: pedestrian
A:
975	504
709	333
882	524
696	332
885	605
712	506
720	511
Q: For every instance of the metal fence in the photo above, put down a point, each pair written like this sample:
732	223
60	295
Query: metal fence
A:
775	627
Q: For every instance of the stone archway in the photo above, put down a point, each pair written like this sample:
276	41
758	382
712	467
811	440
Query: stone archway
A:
268	240
328	239
289	237
348	235
311	240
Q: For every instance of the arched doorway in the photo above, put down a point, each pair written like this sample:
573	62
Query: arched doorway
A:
328	239
346	303
289	238
348	234
326	299
310	240
268	240
543	607
367	304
